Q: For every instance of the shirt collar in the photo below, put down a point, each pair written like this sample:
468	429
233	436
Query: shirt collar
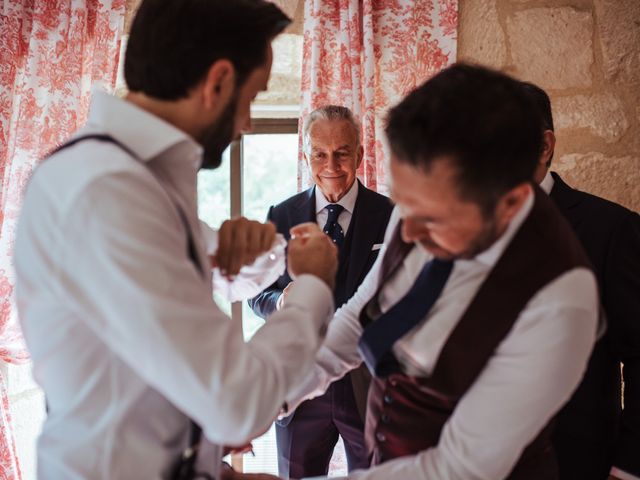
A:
547	183
144	133
348	201
491	255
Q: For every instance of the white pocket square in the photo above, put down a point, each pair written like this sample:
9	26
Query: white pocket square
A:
376	246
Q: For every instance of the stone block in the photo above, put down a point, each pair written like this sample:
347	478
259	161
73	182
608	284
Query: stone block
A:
294	10
287	6
130	9
603	115
552	46
481	38
610	177
284	84
618	23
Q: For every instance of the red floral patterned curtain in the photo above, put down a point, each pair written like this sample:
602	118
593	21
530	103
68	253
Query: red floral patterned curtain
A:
52	52
366	55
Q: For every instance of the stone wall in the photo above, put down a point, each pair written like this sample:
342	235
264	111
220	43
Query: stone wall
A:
586	55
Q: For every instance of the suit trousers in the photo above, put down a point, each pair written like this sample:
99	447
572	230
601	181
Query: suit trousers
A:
306	441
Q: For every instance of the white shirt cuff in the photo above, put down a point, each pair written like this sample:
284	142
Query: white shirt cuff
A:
308	292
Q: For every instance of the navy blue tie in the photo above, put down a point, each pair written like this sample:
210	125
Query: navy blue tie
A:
332	227
379	336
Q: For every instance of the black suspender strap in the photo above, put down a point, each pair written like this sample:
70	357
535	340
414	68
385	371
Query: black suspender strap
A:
102	137
184	468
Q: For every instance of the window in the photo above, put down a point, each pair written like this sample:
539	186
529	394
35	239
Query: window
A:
258	171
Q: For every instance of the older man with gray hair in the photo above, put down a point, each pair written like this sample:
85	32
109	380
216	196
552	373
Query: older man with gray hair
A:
355	218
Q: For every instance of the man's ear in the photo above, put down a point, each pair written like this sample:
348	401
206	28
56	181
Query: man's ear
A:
548	146
511	202
360	156
219	84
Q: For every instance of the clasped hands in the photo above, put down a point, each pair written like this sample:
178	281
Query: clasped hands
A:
242	241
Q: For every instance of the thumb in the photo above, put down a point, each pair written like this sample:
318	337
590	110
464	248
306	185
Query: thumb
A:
303	229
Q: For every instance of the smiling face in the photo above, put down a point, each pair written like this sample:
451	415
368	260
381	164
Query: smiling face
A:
333	156
438	219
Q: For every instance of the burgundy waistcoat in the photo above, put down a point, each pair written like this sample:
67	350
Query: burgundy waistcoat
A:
405	415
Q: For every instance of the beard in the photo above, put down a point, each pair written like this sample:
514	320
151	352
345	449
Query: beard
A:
481	242
219	135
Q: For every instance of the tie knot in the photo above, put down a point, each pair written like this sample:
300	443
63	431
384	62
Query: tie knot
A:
334	210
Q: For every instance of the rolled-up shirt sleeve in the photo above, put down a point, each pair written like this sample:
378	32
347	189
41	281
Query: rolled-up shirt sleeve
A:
127	269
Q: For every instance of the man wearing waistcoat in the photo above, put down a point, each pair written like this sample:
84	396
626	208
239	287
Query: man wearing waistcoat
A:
355	218
594	435
479	317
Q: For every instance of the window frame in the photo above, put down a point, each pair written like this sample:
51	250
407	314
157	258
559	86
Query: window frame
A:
260	126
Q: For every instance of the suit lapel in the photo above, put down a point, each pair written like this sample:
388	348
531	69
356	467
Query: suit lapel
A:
305	210
366	224
566	199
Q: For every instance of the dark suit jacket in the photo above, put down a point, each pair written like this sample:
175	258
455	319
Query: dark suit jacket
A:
369	222
593	432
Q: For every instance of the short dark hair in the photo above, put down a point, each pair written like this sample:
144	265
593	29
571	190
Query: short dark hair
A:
173	43
479	119
541	101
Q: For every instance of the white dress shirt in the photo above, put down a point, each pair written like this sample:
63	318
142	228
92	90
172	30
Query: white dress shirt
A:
348	201
531	375
125	337
547	183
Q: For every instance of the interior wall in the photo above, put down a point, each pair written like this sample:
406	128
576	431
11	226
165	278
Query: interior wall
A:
586	55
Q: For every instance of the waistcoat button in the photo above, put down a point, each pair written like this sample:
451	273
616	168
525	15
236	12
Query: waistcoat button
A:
385	418
387	399
381	437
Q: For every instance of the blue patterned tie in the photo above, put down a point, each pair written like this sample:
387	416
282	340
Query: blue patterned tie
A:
332	227
379	336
